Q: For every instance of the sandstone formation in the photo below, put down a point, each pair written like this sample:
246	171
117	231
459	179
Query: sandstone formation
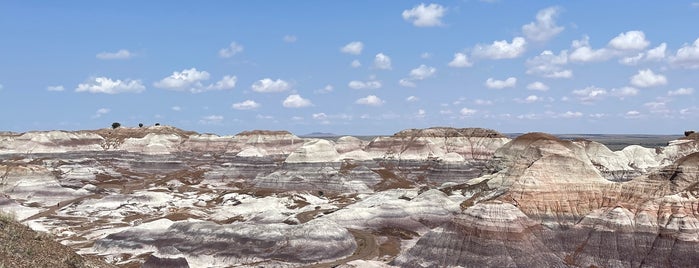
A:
437	197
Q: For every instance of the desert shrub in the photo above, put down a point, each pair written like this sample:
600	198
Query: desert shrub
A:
116	125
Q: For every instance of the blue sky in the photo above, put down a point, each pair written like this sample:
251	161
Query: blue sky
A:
351	67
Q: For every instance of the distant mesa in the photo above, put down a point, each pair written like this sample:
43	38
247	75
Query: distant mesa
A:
319	134
449	132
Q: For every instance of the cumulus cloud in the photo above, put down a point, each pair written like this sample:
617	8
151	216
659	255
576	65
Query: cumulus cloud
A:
100	112
356	84
185	79
460	61
227	82
425	15
544	28
109	86
590	94
687	56
502	49
412	99
467	112
246	105
231	50
420	113
631	40
290	38
354	48
55	88
530	99
121	54
267	85
500	84
583	52
483	102
647	78
657	53
370	100
407	83
422	72
382	61
538	86
624	92
296	101
326	89
570	114
176	108
191	80
681	92
356	64
211	120
549	65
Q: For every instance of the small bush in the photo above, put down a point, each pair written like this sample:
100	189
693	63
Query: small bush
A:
116	125
140	124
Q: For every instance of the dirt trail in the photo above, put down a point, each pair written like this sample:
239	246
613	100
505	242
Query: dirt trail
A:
367	249
52	210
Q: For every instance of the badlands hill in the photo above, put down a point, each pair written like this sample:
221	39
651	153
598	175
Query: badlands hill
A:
437	197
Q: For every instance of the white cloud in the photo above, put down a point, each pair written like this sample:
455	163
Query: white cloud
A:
412	99
422	72
227	82
502	49
647	78
570	114
632	60
407	83
538	86
582	52
426	55
265	117
326	89
109	86
100	112
633	114
268	85
530	99
370	100
176	108
654	54
467	112
425	16
372	84
320	116
460	61
230	51
121	54
482	102
211	119
687	56
185	80
590	94
657	53
500	84
382	61
354	48
356	64
55	88
631	40
549	65
544	28
657	107
624	92
246	105
296	101
681	92
290	38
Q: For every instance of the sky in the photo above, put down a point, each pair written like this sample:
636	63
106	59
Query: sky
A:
351	67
